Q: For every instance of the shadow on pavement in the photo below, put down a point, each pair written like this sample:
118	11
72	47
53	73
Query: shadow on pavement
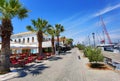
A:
68	52
64	53
98	66
31	69
54	58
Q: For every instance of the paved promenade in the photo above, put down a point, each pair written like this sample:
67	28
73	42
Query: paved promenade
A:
70	66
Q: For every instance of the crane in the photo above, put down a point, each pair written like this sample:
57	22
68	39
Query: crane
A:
105	30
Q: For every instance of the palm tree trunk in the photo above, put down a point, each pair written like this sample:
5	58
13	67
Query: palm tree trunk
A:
58	40
58	48
53	48
40	38
5	49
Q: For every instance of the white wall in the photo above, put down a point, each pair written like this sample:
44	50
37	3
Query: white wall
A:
25	37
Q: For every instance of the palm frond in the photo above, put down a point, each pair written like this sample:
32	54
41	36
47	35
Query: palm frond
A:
14	4
33	22
30	28
0	17
59	29
2	2
51	30
40	25
11	8
22	13
62	28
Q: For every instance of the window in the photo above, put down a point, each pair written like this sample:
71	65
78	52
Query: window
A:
19	40
27	40
32	39
23	40
15	40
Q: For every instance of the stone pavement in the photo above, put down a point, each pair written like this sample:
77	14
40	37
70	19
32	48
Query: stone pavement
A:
70	66
100	75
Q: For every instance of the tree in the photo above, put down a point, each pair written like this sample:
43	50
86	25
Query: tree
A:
87	51
63	39
69	41
8	10
51	31
59	29
40	26
93	54
96	56
80	46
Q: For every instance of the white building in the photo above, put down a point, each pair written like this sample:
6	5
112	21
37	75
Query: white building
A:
27	38
27	42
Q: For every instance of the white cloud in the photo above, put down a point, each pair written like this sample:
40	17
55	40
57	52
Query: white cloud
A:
79	39
74	27
69	19
114	36
75	33
74	23
107	9
115	31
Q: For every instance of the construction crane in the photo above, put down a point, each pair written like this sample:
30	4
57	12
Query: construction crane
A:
105	31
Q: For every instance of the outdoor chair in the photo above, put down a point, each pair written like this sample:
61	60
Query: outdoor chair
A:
40	58
14	62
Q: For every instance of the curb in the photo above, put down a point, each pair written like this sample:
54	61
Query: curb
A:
8	76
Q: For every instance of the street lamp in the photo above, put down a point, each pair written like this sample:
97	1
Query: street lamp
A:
89	40
93	38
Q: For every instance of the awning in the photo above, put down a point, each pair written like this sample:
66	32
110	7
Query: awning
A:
15	45
19	46
46	44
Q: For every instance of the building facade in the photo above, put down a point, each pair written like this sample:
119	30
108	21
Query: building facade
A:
27	42
27	38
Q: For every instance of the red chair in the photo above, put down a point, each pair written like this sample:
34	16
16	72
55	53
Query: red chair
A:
14	61
21	61
30	59
40	58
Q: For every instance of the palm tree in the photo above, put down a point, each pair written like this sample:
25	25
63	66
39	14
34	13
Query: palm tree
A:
51	31
69	41
59	29
39	26
8	10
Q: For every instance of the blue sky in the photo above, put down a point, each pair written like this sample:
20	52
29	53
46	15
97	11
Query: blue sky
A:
80	18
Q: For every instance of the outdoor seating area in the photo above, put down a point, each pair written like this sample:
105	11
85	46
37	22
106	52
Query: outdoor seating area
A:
20	60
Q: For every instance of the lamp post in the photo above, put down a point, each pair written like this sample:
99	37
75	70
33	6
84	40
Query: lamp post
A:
89	40
93	38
